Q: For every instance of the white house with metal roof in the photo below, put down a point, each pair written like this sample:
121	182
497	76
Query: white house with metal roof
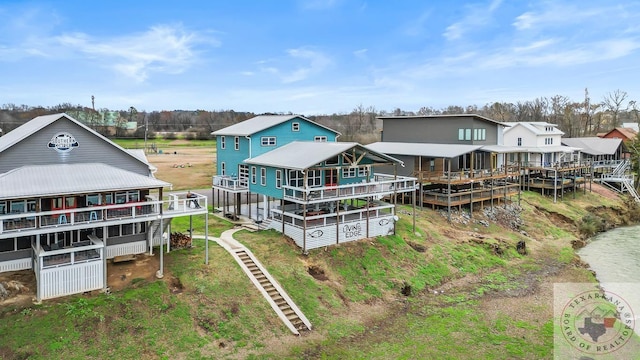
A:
540	142
315	190
70	199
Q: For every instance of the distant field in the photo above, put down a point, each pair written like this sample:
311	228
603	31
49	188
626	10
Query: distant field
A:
187	164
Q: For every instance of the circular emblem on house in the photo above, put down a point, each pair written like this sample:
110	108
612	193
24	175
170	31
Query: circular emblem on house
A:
63	142
597	322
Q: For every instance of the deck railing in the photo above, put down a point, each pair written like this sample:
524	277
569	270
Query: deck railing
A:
381	185
477	174
297	218
230	183
45	220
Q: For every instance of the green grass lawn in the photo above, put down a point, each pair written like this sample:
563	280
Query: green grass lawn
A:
375	300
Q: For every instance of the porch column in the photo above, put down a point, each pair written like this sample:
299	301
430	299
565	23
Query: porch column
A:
206	238
160	272
449	190
265	211
104	258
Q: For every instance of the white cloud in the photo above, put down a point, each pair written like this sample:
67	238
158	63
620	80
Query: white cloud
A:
476	17
313	62
161	49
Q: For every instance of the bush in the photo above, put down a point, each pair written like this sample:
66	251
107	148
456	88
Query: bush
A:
590	225
170	136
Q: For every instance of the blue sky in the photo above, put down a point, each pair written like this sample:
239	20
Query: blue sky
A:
317	56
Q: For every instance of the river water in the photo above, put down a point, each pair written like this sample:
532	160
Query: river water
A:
615	257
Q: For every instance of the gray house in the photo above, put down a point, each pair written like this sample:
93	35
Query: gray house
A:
459	160
70	199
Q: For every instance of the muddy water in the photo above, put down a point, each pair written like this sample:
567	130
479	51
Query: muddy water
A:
615	257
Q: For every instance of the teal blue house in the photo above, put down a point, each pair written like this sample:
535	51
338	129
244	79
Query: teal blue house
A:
305	184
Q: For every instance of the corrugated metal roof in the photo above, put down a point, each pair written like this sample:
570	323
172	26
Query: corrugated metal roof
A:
501	149
549	149
301	155
534	127
446	151
259	123
58	179
441	116
38	123
594	145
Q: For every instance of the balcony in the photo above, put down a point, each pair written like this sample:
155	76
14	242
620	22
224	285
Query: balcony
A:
230	183
23	224
381	185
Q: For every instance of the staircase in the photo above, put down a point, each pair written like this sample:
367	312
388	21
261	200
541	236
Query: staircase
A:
277	298
620	174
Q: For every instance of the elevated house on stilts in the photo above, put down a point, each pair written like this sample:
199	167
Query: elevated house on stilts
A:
70	200
315	190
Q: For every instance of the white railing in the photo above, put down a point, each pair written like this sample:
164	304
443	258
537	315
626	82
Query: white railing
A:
231	183
297	219
34	221
382	185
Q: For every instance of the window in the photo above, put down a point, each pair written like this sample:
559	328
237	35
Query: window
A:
236	143
243	174
296	178
349	172
94	199
314	178
278	179
222	142
223	168
460	134
432	165
479	134
467	134
334	161
129	196
3	207
263	176
362	171
253	174
268	141
295	126
519	141
320	138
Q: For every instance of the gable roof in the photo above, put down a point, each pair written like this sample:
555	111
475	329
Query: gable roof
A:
40	122
629	133
262	122
594	145
301	155
486	119
40	180
536	127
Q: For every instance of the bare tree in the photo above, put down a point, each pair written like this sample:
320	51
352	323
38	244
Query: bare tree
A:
613	103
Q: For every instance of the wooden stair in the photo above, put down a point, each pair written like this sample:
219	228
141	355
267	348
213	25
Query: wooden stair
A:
279	300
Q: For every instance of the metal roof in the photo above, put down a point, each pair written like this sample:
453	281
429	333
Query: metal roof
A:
140	155
446	151
594	145
442	116
36	124
534	127
549	149
59	179
301	155
501	149
259	123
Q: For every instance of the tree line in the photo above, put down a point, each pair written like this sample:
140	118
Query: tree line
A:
575	118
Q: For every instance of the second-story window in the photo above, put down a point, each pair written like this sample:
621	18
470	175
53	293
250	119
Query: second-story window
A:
263	176
520	141
320	138
223	143
278	179
268	141
253	174
236	143
295	126
223	168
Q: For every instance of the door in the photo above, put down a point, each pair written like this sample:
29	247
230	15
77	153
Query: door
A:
63	203
331	177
